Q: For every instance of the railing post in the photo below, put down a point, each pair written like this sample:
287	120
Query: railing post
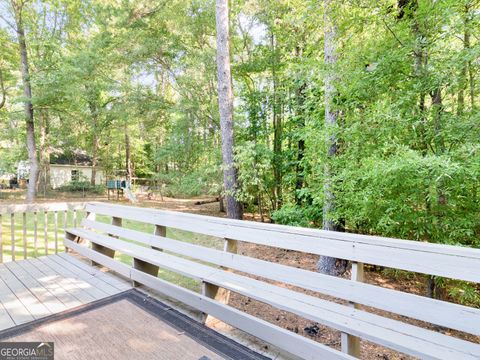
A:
351	344
74	219
215	292
55	226
159	231
35	233
12	234
1	239
145	266
99	248
102	249
24	224
45	230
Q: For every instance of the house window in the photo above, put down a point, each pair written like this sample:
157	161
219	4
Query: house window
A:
75	175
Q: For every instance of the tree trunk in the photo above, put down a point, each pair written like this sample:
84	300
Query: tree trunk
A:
95	140
277	131
225	102
329	265
44	154
467	46
94	159
3	90
420	62
128	161
28	107
299	169
465	64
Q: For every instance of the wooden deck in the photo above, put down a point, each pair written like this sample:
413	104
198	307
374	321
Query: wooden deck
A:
35	288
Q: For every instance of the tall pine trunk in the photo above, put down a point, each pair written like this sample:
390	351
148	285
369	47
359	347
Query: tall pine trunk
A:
95	140
300	122
466	64
225	102
28	107
326	264
277	132
44	154
3	90
128	159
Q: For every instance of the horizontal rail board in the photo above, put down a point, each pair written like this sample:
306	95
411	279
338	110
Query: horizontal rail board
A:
291	342
391	333
441	260
442	313
46	207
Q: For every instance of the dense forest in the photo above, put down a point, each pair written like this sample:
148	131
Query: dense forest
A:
351	115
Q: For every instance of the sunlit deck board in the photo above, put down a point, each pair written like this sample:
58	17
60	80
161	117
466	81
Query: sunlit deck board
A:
67	284
51	284
14	309
53	304
87	282
34	306
94	279
36	288
112	279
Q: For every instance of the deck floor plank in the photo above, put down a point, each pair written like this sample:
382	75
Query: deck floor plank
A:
15	308
35	288
88	283
31	302
92	278
51	283
6	320
53	304
112	279
67	284
71	278
20	310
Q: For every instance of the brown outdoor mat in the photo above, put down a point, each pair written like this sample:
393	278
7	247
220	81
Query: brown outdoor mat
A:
129	326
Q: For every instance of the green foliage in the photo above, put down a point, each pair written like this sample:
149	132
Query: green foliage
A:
398	195
121	77
463	293
83	186
202	181
291	215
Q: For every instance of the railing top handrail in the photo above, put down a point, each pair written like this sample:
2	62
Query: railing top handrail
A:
167	218
41	207
434	259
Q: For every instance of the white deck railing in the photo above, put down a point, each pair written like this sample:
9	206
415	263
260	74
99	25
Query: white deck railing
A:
353	316
31	230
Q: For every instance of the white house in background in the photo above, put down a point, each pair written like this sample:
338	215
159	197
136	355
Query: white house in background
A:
78	166
66	168
62	174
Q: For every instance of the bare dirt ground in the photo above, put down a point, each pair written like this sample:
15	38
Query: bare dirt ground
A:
314	331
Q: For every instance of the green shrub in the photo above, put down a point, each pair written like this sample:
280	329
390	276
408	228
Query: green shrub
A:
84	186
291	215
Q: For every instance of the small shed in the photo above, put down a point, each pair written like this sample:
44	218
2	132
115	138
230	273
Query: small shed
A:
78	166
